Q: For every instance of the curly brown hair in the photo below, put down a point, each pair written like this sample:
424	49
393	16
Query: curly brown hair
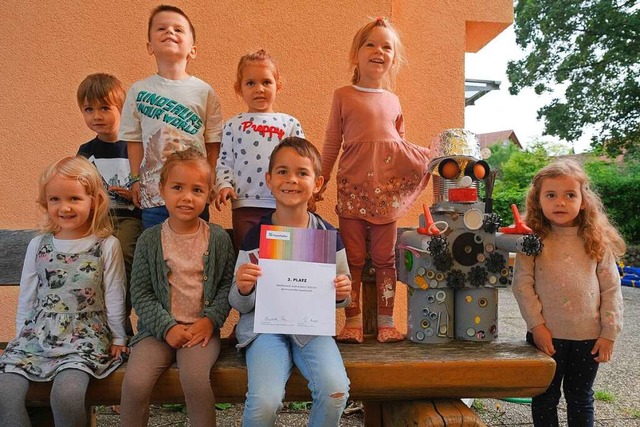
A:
594	226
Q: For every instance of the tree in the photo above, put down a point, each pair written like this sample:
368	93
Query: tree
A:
591	48
516	170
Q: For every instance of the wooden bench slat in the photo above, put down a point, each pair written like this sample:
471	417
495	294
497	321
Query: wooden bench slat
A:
395	371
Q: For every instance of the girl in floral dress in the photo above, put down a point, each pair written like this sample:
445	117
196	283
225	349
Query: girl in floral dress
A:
71	308
379	173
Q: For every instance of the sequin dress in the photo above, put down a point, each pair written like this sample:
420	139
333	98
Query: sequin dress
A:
67	327
379	174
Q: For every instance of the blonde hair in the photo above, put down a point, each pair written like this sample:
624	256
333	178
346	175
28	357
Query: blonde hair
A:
593	223
87	175
101	87
190	157
252	58
361	37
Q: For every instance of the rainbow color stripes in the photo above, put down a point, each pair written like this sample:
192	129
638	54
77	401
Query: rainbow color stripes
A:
298	244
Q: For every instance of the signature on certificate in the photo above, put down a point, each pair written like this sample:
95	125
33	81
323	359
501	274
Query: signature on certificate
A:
307	320
276	320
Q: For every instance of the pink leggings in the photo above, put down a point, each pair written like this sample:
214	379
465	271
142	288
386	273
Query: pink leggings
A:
149	359
383	244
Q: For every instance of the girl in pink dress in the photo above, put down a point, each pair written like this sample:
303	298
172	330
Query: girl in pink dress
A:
379	173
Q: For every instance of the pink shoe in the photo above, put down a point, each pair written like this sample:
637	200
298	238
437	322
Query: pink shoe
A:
350	335
389	334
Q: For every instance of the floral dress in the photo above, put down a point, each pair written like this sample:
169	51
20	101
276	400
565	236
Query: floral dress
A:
380	174
67	327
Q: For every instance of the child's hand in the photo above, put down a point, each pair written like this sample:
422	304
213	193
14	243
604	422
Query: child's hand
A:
246	277
604	349
122	192
343	287
116	350
224	195
201	331
135	193
178	336
543	339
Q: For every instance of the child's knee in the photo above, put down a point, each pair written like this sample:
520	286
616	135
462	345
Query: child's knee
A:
263	405
340	396
194	382
136	386
336	387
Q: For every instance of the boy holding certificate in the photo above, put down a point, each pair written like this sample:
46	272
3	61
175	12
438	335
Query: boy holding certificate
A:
293	178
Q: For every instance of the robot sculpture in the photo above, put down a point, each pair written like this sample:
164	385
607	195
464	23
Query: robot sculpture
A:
458	257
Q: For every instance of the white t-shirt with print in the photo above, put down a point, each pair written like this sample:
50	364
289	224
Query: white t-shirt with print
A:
168	116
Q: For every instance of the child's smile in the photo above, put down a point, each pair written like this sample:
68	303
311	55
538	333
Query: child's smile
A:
292	179
69	207
375	57
170	36
186	193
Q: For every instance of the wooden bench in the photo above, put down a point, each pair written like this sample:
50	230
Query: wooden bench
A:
401	384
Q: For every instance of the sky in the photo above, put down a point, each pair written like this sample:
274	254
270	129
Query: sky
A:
498	110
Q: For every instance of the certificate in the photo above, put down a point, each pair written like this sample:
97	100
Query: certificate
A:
295	293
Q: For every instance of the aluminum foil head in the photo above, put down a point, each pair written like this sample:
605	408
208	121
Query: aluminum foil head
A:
457	143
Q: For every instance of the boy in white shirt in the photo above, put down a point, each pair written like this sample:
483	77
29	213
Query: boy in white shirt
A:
168	111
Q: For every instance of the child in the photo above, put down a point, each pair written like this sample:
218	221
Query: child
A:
573	316
71	307
379	173
180	282
168	111
247	142
293	177
100	98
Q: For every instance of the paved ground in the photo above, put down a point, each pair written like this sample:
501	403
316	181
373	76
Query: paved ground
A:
618	380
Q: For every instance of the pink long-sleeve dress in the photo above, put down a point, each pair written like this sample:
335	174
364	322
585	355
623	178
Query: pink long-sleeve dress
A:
379	173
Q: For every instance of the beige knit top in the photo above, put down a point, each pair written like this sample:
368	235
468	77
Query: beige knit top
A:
577	297
184	256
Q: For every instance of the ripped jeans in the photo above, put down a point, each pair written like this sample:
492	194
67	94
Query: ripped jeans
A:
270	360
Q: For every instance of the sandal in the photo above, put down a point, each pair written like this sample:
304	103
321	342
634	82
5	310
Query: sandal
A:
389	334
350	335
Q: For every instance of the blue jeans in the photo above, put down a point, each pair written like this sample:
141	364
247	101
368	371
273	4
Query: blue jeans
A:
270	360
576	371
157	215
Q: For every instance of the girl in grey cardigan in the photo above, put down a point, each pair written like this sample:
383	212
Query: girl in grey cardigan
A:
182	273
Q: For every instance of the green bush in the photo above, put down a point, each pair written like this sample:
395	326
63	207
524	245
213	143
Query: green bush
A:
619	189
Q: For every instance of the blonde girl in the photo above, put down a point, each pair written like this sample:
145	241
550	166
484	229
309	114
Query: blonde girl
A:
247	142
71	308
379	173
574	316
182	273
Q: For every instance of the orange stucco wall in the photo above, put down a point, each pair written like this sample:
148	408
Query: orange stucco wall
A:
50	46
